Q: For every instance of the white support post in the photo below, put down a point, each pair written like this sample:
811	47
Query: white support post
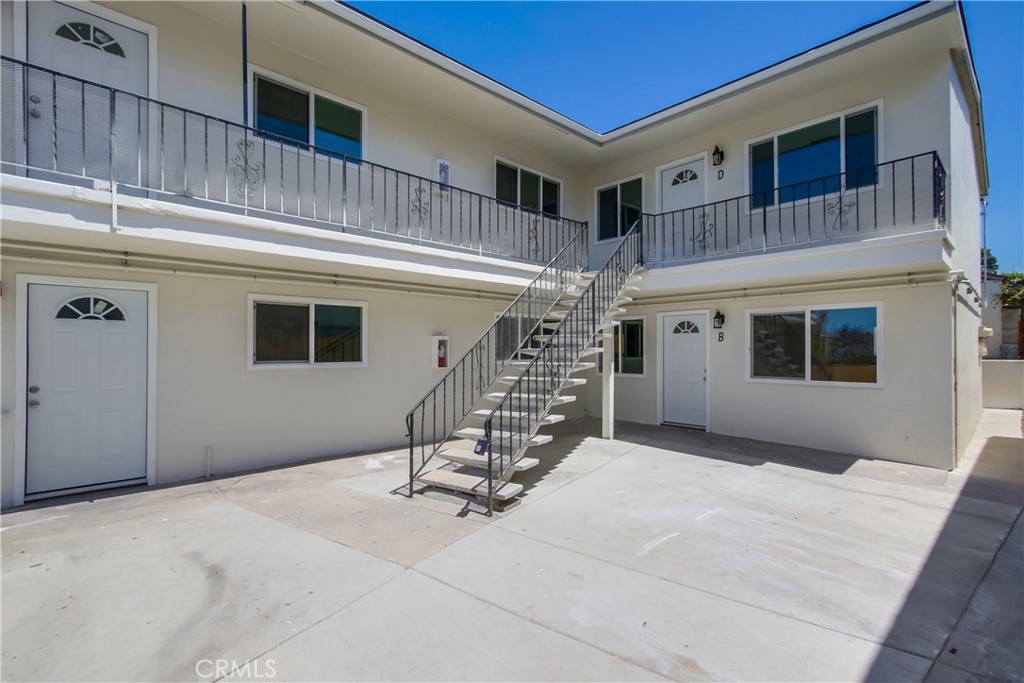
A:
608	388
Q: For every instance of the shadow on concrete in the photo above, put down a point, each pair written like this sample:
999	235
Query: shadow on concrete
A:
971	631
736	450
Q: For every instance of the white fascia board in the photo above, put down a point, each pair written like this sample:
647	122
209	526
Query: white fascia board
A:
422	51
927	251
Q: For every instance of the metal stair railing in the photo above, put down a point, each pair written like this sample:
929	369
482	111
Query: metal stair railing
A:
435	417
518	415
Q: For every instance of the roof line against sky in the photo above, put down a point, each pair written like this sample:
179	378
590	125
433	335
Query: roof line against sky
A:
772	66
904	18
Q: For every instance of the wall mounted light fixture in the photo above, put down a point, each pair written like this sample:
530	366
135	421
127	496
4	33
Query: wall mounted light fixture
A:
719	320
717	157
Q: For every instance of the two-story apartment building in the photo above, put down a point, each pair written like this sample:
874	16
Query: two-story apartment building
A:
237	235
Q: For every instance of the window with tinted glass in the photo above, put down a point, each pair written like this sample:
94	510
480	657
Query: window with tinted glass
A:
628	345
810	161
843	344
822	344
299	115
618	208
299	332
777	345
528	189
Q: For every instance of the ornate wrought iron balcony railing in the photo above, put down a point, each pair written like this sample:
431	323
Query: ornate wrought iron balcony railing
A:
71	130
904	194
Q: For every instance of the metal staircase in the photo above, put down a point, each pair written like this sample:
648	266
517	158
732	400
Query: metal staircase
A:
501	421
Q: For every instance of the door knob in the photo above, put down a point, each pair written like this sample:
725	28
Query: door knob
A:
33	390
33	404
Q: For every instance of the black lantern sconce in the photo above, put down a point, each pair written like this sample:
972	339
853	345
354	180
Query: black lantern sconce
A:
717	157
719	319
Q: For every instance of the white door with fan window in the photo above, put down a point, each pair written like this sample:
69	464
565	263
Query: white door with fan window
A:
682	186
684	356
75	41
87	387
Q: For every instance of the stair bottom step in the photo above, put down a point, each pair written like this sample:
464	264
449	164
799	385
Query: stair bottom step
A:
472	484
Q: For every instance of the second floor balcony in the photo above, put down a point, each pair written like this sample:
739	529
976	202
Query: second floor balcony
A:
69	130
905	195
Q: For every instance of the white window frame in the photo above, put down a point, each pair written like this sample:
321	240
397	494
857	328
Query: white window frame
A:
310	364
806	380
254	71
877	105
643	348
618	215
519	182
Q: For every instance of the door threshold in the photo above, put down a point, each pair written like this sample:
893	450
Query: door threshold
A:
702	428
85	489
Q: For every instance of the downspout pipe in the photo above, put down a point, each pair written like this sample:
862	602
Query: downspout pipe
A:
245	64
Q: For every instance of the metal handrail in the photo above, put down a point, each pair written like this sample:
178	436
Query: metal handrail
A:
464	384
75	128
537	386
892	195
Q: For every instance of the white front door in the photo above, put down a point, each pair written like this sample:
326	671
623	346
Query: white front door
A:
684	384
87	387
69	122
682	186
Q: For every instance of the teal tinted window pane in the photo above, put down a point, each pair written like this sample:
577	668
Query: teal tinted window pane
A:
506	183
861	149
529	190
339	128
282	111
778	345
762	174
337	334
551	200
631	195
809	164
608	213
632	347
843	345
281	334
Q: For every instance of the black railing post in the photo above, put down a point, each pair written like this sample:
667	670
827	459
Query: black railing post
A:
410	424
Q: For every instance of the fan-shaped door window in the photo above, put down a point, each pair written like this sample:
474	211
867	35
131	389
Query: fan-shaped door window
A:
93	36
684	176
90	308
686	327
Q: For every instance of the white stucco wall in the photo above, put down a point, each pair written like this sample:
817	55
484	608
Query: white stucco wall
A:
206	396
913	101
906	419
1004	383
965	227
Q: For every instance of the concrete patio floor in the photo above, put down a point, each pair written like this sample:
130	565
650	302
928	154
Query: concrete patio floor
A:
664	554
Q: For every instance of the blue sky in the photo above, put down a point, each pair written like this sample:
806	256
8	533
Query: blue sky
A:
607	63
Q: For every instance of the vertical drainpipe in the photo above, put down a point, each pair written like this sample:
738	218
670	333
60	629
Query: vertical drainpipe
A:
245	65
956	378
